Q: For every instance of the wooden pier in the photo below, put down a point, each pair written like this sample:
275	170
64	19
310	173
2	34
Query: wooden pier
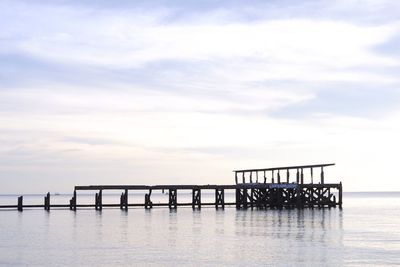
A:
253	188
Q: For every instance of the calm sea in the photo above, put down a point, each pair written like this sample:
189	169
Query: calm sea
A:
365	233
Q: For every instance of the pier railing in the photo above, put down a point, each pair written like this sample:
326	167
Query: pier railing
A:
282	174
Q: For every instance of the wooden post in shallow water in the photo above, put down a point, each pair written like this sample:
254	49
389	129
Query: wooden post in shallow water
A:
101	200
147	201
298	197
20	203
252	198
126	200
196	198
47	202
121	201
241	198
98	200
72	202
123	204
340	194
172	203
219	198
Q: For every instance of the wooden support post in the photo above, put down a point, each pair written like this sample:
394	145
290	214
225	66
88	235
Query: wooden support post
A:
20	203
340	194
150	202
243	178
312	198
279	198
238	198
252	198
273	178
329	198
266	198
297	176
147	202
288	197
241	198
287	176
122	201
196	198
75	201
222	198
322	175
96	201
172	199
244	198
100	201
312	175
126	199
47	202
236	178
298	197
219	198
72	202
279	177
319	200
265	178
302	176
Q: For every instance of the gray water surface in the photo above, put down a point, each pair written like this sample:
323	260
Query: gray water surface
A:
365	232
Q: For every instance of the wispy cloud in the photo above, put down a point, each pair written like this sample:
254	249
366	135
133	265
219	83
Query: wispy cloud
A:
159	90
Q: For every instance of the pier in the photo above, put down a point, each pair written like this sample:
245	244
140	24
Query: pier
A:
269	188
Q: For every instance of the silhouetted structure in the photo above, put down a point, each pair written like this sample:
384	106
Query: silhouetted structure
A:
254	188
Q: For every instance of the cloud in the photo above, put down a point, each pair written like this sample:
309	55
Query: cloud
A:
185	92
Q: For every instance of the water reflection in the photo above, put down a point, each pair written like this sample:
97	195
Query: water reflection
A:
357	235
308	235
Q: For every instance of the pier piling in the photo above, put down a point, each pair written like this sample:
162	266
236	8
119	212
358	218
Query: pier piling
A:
72	202
147	201
219	198
20	203
47	202
98	200
196	198
340	194
172	203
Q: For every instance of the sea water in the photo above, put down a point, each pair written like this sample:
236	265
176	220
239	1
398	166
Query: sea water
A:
366	232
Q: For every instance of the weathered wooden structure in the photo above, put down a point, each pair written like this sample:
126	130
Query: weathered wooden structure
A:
253	188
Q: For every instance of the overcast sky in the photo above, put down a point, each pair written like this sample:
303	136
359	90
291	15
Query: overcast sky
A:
150	92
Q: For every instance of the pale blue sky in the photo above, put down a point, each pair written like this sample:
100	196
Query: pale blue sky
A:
154	92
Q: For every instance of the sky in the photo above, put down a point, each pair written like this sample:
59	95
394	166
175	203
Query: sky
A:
168	92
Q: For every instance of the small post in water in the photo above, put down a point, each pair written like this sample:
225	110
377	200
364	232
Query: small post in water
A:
47	202
20	203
